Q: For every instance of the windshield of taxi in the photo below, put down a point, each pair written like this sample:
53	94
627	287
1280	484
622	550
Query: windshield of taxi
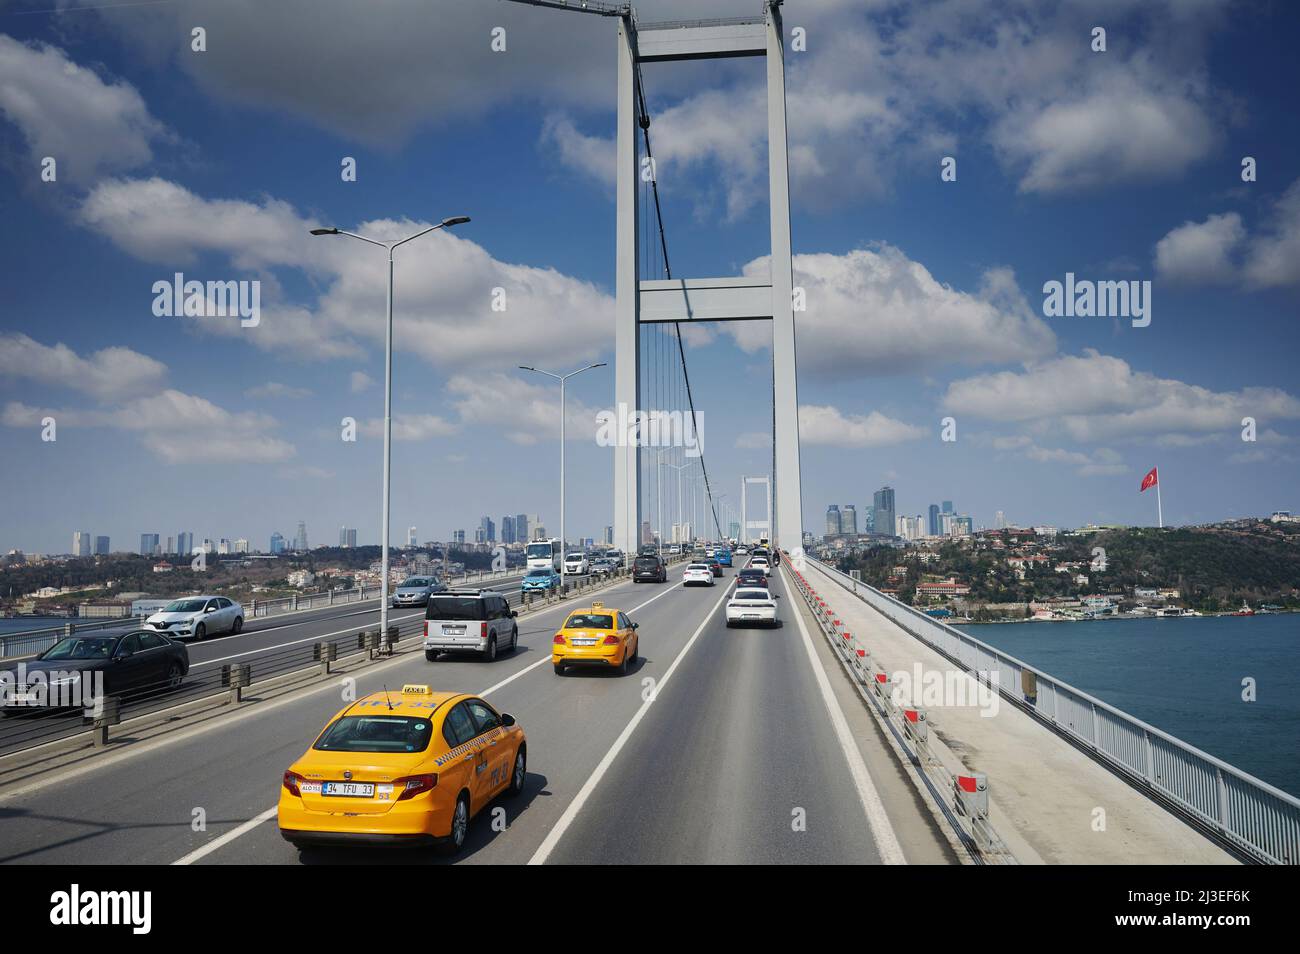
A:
589	621
376	733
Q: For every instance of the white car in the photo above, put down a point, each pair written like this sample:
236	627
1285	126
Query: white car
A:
575	564
760	563
198	616
697	573
751	606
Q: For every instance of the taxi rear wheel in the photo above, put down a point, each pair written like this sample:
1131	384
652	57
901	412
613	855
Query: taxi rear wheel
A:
559	669
519	773
459	826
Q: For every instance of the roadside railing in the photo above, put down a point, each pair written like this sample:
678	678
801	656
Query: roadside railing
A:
36	640
961	796
1260	820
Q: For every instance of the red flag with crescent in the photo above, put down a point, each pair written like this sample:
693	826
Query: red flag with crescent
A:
1150	480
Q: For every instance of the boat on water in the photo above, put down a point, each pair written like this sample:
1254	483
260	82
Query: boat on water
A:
1244	611
1173	612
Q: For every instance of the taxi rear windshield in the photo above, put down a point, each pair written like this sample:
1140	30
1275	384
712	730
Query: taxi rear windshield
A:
455	607
376	733
589	621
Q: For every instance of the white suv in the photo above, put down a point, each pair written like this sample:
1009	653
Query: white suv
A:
474	621
575	564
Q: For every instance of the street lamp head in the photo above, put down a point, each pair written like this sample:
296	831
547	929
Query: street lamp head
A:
455	220
324	231
524	367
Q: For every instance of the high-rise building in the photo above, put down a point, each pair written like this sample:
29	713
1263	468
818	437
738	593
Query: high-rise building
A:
934	520
277	543
849	519
608	536
410	536
869	520
833	520
489	529
224	547
101	546
185	543
1000	520
947	506
508	529
883	506
522	529
480	535
300	540
80	543
241	545
148	544
458	537
962	526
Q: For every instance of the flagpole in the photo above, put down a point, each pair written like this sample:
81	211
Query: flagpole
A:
1160	513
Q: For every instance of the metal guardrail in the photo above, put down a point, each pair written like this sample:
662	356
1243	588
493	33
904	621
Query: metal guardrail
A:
1260	820
962	798
32	641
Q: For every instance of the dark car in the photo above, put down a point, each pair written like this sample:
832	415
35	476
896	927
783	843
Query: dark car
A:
78	668
649	569
751	577
715	565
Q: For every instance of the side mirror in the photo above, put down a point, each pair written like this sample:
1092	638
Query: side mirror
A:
507	719
636	625
513	614
210	609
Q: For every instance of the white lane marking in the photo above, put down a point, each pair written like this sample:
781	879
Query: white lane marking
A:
228	837
548	845
882	832
270	813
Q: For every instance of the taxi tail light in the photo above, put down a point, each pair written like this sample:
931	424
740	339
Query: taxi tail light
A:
559	639
413	785
611	640
291	780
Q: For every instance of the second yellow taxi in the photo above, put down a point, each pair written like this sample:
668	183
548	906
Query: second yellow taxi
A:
393	767
598	636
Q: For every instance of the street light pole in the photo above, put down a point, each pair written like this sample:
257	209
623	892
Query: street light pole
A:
388	398
564	546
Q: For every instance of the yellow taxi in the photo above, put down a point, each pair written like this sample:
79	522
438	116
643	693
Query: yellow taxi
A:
597	636
397	767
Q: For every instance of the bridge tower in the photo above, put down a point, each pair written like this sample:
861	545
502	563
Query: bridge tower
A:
705	299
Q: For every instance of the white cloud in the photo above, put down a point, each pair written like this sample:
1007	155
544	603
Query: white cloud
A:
445	282
526	411
823	424
1201	252
275	390
359	381
108	374
1098	397
178	428
66	111
1221	251
411	427
874	311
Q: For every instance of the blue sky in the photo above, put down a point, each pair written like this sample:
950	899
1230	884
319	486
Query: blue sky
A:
925	297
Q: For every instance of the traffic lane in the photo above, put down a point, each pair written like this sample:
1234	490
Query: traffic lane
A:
737	766
293	633
571	722
142	809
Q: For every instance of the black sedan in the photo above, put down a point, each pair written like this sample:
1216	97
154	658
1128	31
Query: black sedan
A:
76	669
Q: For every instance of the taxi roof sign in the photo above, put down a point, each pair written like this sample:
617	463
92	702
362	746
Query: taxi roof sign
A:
416	690
597	604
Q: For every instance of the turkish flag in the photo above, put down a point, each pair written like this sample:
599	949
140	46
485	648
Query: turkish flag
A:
1150	480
